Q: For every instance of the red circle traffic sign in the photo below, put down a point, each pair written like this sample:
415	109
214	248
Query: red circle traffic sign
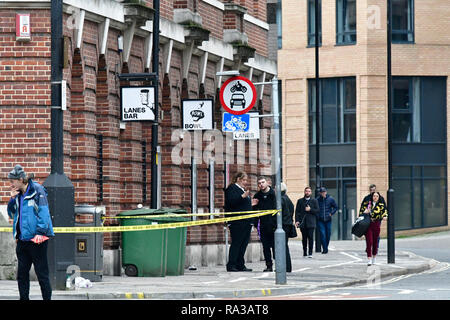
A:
237	95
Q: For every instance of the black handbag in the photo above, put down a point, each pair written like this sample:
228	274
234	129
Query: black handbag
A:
292	231
361	225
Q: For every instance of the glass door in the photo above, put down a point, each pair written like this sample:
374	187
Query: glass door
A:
349	209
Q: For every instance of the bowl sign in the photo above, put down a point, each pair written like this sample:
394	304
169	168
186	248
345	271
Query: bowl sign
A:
238	95
197	114
137	103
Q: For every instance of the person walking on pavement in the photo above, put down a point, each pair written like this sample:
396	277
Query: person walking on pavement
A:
377	210
306	212
32	226
237	199
287	211
365	201
327	208
265	199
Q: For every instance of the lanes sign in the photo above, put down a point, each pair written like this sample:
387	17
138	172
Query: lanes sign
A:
137	103
197	114
235	123
238	95
253	129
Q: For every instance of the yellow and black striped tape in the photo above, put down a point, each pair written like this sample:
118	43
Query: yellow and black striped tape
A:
171	215
155	225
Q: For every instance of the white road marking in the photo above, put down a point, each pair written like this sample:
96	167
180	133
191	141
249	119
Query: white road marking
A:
406	291
210	282
355	259
300	270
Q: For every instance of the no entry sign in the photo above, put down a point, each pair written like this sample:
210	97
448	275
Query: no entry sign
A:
238	95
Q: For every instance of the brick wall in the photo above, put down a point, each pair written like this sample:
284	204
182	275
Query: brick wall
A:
93	115
212	19
24	112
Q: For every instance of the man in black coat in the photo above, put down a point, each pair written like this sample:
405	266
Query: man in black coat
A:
306	213
237	199
287	213
266	200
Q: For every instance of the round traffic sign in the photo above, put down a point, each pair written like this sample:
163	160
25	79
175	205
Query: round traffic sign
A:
238	95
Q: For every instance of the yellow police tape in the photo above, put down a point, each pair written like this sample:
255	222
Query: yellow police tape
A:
170	215
155	225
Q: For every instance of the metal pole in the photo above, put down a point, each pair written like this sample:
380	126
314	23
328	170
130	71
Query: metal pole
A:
280	240
194	186
155	70
317	119
390	193
211	187
61	250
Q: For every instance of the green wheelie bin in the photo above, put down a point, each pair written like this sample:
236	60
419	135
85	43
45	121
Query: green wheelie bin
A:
176	248
153	253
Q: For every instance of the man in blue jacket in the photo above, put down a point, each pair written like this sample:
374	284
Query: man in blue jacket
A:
328	208
32	226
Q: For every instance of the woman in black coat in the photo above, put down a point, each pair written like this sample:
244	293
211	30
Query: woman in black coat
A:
306	213
237	198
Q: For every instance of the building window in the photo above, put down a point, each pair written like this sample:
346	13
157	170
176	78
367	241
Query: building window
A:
420	197
346	21
274	17
279	23
402	21
337	110
312	22
415	101
406	110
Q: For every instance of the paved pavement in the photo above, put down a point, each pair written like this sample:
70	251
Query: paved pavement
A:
344	265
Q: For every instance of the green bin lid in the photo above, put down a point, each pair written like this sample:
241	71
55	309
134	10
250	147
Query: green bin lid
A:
146	212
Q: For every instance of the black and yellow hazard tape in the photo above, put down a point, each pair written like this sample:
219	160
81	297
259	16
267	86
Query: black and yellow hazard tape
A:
179	215
157	226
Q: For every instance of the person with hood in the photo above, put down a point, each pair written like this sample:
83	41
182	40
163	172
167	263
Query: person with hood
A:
287	214
265	199
327	208
306	213
32	226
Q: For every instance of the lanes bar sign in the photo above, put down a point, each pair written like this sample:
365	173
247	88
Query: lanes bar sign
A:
137	103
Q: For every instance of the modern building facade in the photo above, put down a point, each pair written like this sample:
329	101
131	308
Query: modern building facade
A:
352	106
109	161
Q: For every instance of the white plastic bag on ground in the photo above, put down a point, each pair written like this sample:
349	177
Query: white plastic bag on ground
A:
81	282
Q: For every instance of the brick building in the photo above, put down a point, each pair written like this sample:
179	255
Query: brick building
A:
108	161
353	105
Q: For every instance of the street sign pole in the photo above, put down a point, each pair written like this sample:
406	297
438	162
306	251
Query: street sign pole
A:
280	238
390	193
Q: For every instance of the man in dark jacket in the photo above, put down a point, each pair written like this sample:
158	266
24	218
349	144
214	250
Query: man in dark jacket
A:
265	199
237	199
306	213
287	213
327	208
